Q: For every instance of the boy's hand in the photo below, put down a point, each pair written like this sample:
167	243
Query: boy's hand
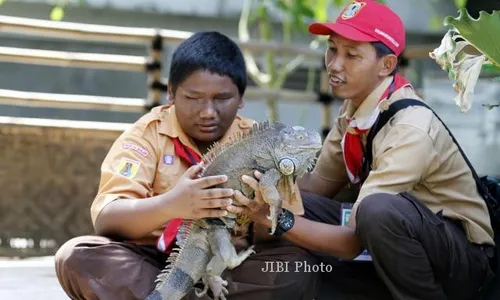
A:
257	210
195	198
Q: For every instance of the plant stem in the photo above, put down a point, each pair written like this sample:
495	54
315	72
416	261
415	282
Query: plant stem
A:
265	35
259	77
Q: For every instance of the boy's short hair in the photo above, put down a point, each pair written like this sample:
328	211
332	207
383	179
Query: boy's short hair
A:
210	51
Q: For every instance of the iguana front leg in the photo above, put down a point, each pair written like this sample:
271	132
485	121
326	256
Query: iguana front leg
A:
270	194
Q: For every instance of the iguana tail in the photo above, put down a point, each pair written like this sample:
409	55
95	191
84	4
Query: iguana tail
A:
185	266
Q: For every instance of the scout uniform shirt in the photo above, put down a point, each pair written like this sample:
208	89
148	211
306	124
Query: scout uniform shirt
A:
412	153
144	161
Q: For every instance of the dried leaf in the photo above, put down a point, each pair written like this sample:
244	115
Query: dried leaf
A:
464	68
467	74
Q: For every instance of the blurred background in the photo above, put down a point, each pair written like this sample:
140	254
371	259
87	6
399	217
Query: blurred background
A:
75	74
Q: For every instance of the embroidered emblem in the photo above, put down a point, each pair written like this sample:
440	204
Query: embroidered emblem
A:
128	168
168	159
136	148
352	10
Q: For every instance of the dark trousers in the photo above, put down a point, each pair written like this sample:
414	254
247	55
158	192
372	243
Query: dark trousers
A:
416	254
94	267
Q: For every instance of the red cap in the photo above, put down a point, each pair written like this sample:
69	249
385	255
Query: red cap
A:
367	21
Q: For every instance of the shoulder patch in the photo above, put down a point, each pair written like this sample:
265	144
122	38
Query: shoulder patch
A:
136	148
128	167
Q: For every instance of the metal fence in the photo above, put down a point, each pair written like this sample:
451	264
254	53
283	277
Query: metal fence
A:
154	39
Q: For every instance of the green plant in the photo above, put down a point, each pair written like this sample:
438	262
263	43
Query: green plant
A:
57	12
468	48
294	17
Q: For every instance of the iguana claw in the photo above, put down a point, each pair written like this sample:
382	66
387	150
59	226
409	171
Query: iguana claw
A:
216	284
273	216
218	287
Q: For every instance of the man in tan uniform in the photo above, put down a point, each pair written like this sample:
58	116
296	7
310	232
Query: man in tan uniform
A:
148	184
418	212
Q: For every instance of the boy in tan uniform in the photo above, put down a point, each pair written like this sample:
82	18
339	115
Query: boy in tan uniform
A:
148	185
418	213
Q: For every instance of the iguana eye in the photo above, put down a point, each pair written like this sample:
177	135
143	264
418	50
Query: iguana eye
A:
300	137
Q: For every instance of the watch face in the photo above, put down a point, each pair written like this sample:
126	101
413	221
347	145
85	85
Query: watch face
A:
287	221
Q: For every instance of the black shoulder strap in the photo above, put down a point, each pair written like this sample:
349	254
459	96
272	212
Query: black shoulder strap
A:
386	115
382	119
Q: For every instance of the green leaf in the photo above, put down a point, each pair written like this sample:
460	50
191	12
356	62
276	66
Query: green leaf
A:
82	2
491	106
482	33
339	3
261	12
303	10
436	22
490	69
460	3
2	1
57	13
321	10
282	5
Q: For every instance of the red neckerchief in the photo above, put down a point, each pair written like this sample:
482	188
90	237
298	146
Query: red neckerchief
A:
164	242
351	144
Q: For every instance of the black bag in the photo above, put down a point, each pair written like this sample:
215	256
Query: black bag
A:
488	186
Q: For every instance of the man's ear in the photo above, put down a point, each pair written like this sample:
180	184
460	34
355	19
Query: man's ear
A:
170	94
387	64
242	103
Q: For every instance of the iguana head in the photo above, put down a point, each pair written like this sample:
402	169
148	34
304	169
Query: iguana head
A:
297	149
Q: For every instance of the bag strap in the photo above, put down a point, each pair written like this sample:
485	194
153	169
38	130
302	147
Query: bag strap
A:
385	116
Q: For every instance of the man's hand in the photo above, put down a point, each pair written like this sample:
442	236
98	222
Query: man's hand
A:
256	209
194	198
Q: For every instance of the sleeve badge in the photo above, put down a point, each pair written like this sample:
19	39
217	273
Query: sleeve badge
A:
128	168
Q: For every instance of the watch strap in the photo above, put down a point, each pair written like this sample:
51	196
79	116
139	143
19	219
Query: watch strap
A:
280	229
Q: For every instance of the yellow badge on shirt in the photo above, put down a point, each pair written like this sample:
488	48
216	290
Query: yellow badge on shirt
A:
128	167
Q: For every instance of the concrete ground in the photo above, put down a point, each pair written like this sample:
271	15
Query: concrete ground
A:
32	278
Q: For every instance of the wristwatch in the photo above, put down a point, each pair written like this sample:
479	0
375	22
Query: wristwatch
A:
286	220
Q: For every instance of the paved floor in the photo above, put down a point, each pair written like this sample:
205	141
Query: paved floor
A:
33	278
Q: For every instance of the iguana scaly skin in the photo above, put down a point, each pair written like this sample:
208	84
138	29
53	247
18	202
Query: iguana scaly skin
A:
282	154
204	252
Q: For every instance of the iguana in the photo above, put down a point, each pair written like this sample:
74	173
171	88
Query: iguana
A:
281	153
